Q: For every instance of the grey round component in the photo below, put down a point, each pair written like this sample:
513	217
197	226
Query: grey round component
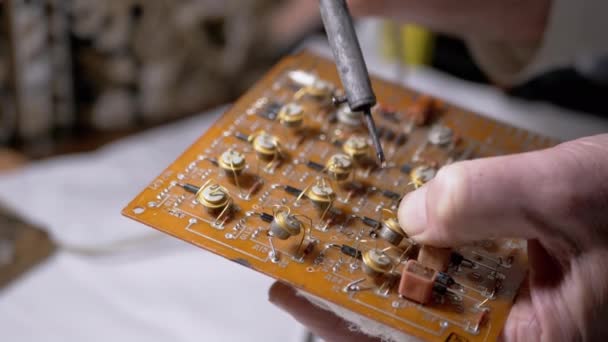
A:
322	190
232	157
213	194
285	226
266	141
389	235
348	117
440	135
375	262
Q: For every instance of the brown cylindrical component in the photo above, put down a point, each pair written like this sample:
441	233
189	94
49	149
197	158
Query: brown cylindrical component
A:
422	110
435	258
417	282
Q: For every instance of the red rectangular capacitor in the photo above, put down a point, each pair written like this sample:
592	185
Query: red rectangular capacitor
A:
435	258
417	282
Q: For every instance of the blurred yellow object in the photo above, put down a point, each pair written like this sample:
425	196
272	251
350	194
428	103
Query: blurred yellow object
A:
409	44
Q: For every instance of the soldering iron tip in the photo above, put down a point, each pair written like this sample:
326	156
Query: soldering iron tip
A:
371	127
383	163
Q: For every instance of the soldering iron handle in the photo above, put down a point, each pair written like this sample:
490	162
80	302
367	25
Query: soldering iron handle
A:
347	54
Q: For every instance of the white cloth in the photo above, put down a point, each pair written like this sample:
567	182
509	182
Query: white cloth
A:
159	289
575	30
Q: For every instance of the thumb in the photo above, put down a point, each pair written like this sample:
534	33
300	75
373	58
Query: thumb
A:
532	195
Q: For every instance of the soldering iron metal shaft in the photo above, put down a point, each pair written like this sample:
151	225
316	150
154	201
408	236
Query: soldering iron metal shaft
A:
351	66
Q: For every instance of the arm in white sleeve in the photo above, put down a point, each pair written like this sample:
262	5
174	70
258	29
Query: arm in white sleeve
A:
575	29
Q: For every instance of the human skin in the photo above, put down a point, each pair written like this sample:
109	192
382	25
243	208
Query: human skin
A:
557	199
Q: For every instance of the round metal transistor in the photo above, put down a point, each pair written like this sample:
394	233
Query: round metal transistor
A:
339	166
232	161
213	197
285	226
422	175
321	88
348	117
266	145
291	115
391	231
356	147
321	195
440	135
376	263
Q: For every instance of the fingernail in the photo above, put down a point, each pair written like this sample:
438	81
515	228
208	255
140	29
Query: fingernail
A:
412	212
279	294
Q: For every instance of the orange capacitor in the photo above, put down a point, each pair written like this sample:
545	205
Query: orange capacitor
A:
421	110
435	258
417	282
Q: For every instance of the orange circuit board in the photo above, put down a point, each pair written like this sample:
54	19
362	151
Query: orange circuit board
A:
285	183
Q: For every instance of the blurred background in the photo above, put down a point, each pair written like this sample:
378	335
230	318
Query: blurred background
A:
96	97
75	74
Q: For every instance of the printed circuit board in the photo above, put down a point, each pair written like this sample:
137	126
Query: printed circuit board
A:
286	183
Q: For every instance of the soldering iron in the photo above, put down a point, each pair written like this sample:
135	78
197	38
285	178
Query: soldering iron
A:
342	37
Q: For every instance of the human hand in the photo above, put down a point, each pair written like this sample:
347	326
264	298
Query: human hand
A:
509	21
321	323
556	198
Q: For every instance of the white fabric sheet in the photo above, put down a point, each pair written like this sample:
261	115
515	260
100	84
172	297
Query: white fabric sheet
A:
155	288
